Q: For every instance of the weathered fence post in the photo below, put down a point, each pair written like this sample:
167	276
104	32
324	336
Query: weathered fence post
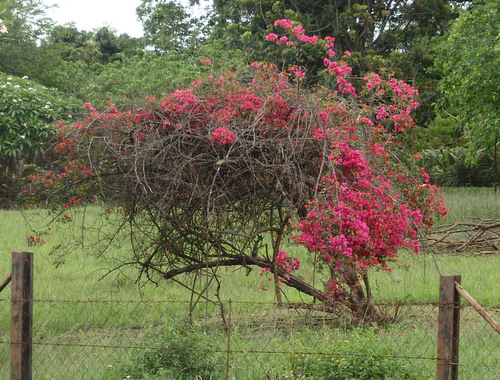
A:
21	325
448	328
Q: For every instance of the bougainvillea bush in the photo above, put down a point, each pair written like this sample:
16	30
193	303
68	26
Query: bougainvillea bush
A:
228	171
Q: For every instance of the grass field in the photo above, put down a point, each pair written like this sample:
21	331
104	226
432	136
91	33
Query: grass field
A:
414	278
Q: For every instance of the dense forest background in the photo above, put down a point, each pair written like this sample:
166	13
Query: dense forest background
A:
449	50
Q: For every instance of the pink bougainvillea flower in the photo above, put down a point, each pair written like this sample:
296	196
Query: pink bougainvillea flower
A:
287	24
272	37
223	136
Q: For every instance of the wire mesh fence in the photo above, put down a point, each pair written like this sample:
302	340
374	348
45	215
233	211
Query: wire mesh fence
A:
479	345
241	340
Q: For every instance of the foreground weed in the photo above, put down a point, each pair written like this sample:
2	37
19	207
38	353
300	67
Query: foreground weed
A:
186	353
362	358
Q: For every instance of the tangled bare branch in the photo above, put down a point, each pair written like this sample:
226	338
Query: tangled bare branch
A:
479	236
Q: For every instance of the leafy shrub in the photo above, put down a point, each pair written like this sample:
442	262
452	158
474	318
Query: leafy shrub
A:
28	114
175	354
129	80
361	358
441	132
454	167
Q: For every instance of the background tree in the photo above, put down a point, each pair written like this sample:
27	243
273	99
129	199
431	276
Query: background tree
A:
469	59
59	56
167	26
26	24
379	34
368	27
72	59
3	28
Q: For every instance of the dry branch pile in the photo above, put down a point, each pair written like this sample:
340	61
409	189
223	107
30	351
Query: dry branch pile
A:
476	235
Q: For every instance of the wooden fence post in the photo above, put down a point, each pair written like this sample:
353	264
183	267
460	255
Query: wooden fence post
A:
21	325
448	328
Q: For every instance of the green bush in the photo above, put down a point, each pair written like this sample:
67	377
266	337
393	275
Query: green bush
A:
188	353
455	167
28	114
441	132
364	357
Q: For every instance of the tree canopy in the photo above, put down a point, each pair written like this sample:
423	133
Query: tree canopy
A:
26	23
368	27
168	26
469	59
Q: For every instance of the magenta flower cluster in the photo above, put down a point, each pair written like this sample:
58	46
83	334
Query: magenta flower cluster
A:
223	136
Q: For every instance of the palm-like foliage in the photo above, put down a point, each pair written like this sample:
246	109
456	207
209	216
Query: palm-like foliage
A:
455	168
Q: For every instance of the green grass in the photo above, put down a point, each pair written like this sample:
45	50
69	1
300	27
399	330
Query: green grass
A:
71	335
472	202
413	277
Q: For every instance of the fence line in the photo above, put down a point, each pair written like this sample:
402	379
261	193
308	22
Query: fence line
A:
81	339
113	339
